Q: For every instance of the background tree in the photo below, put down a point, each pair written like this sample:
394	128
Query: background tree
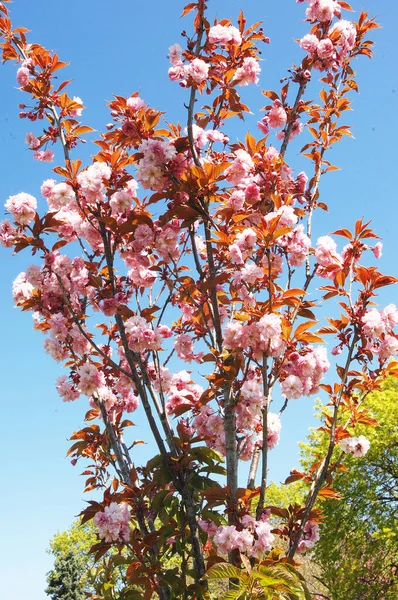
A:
64	581
358	548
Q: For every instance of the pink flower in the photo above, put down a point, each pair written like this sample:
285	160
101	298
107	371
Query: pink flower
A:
309	43
113	523
47	187
223	34
136	103
322	10
357	446
389	314
373	323
236	254
238	171
292	388
217	136
44	155
177	73
22	207
388	347
263	126
325	253
90	379
66	390
325	49
277	115
61	195
32	141
8	234
175	54
77	112
264	539
23	76
198	70
377	249
228	538
120	202
309	537
247	73
183	345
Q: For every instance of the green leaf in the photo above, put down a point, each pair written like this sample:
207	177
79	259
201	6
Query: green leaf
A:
223	571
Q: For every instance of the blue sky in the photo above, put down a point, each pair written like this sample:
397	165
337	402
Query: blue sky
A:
120	50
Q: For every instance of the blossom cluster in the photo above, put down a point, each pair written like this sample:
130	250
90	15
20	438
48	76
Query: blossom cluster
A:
304	372
357	446
252	538
329	52
113	523
309	537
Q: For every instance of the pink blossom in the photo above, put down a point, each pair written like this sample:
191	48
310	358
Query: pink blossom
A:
135	103
388	347
325	253
309	43
240	168
177	73
228	538
44	155
120	201
377	249
32	141
357	446
247	73
235	254
8	234
389	314
325	48
175	54
346	33
23	76
373	323
198	70
141	336
183	345
61	195
309	537
277	115
22	208
237	199
57	351
58	324
113	523
217	136
322	10
274	427
223	34
297	244
90	379
264	539
292	387
263	125
47	187
235	335
76	112
140	276
66	390
207	526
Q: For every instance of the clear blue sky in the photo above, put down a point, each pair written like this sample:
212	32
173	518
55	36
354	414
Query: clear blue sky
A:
118	48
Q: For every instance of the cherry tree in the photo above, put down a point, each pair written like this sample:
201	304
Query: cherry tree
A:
174	278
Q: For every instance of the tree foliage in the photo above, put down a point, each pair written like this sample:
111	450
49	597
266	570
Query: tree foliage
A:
358	547
64	581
